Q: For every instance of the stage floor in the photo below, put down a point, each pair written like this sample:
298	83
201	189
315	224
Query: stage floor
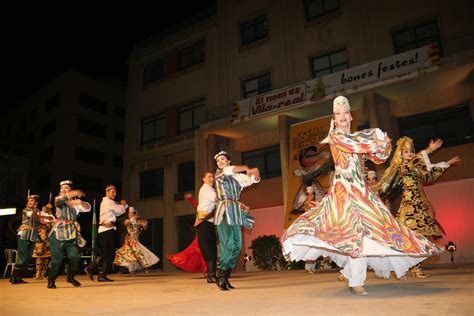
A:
449	291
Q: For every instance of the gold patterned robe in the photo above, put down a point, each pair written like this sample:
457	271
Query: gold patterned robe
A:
415	210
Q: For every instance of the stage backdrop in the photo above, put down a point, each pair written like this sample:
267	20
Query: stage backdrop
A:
453	203
302	136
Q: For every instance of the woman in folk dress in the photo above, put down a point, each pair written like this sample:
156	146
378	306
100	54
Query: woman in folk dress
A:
352	225
411	171
133	255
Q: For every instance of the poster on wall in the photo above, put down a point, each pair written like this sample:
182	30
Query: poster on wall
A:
310	166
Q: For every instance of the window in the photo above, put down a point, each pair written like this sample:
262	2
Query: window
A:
153	128
329	63
417	36
89	155
120	111
118	136
117	161
453	125
46	155
91	128
93	103
91	183
253	30
51	103
317	8
257	85
154	71
186	177
191	116
48	128
190	56
266	159
151	183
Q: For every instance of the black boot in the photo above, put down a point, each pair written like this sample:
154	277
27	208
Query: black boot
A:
211	272
51	284
227	276
221	281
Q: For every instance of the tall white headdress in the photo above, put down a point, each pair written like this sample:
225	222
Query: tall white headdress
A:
339	103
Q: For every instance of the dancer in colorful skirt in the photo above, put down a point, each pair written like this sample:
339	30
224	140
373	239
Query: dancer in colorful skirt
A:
352	225
133	255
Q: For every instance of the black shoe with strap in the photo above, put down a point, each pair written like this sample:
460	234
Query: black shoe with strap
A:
104	278
21	281
73	281
51	284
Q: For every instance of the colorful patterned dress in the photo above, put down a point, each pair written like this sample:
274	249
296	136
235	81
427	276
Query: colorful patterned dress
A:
415	210
351	220
133	254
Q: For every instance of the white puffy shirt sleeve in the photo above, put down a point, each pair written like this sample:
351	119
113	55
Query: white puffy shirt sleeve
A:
116	209
430	165
243	179
82	209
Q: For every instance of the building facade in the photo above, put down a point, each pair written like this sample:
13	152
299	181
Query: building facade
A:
72	128
195	89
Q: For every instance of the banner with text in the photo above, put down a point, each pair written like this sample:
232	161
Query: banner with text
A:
380	72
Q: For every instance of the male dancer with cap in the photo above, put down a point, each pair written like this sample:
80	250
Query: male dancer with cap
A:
64	235
230	180
205	225
109	211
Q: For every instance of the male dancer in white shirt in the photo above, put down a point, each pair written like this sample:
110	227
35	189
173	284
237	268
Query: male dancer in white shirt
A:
109	211
205	225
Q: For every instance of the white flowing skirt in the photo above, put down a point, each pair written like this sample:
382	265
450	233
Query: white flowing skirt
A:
150	259
381	259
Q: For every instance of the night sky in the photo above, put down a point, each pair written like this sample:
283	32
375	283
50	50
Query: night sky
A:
44	39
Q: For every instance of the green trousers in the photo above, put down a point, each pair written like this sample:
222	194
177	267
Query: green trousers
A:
24	253
58	249
230	244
